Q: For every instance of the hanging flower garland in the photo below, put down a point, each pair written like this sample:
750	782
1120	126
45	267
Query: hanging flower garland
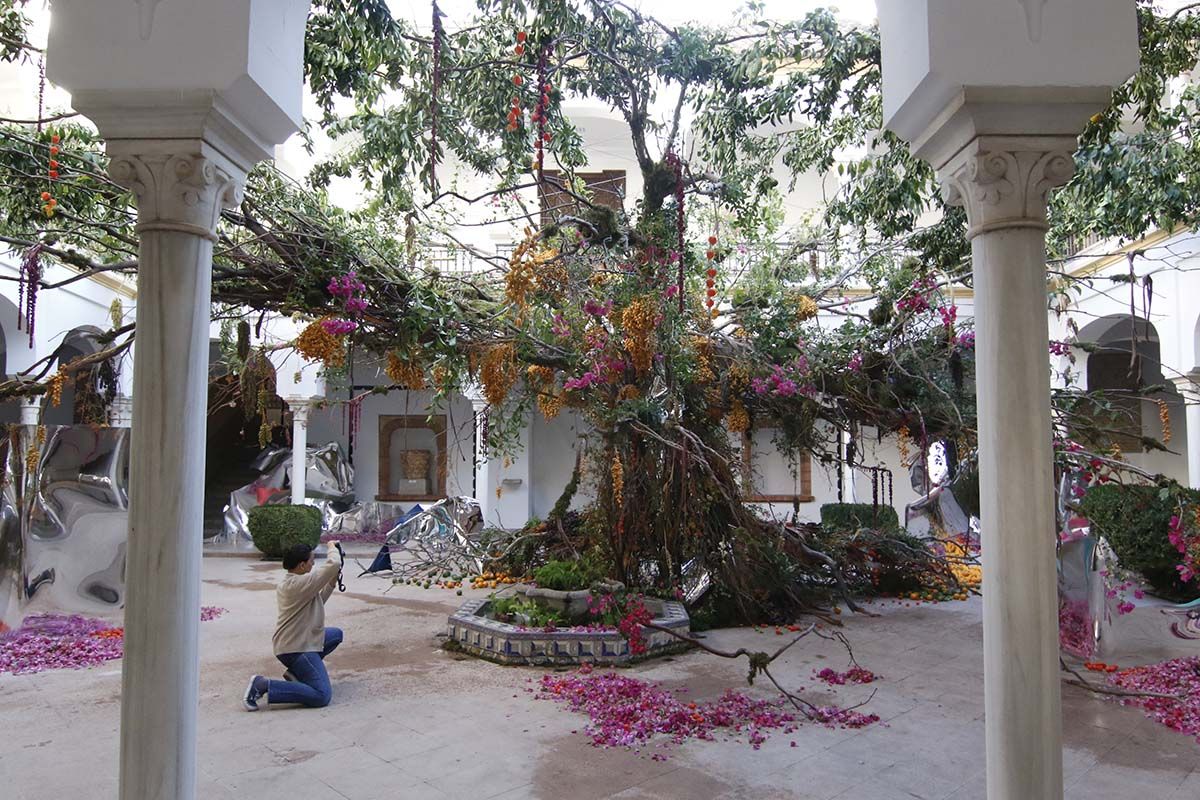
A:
676	167
514	113
28	280
539	113
710	280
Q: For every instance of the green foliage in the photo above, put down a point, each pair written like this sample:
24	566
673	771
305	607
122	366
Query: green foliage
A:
276	528
849	517
563	576
1134	520
505	608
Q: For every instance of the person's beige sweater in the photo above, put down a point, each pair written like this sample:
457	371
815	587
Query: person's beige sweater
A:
301	625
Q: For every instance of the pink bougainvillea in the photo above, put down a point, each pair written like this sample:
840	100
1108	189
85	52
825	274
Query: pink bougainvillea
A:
627	712
62	641
1180	677
1074	631
855	674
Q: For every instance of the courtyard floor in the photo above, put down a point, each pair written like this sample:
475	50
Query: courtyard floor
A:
411	721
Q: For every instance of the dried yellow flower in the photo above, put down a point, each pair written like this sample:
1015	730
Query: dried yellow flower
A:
806	307
405	371
317	344
498	373
617	471
54	387
638	321
737	419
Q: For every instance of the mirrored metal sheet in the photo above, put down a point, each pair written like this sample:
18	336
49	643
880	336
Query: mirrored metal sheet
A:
64	520
328	485
1092	623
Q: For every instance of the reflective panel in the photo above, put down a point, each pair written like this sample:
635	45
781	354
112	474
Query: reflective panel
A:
328	485
63	524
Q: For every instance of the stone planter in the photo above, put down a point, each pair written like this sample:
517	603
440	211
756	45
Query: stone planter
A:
472	630
572	604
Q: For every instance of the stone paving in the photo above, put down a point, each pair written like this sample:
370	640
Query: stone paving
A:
411	721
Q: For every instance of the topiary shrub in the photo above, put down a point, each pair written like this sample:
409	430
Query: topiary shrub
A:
276	528
850	517
1134	520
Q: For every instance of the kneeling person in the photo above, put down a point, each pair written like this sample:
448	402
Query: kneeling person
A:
301	639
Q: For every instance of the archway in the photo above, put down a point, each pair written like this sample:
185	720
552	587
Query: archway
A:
234	429
83	399
1125	363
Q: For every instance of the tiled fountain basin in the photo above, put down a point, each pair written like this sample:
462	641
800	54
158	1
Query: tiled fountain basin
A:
479	635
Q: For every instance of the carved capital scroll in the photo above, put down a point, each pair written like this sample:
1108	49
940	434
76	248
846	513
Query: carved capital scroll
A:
1002	188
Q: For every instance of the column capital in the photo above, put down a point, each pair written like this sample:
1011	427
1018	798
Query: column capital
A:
1004	182
180	185
1188	385
299	406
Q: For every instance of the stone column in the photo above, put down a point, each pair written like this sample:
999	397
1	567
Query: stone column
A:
1003	182
484	491
847	476
31	411
1189	389
121	413
299	407
181	186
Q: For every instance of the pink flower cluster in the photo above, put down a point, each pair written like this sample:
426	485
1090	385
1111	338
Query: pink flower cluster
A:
347	286
339	327
1074	630
627	712
919	300
1118	592
1180	677
632	624
1188	546
62	641
966	339
855	363
560	327
58	641
948	314
597	309
855	674
777	383
1058	348
606	369
350	289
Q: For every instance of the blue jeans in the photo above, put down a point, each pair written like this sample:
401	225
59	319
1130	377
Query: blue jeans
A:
311	687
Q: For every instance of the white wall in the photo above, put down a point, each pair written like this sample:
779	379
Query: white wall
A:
331	424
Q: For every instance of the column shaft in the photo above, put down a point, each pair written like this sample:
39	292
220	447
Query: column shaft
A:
299	449
1192	424
1020	623
160	674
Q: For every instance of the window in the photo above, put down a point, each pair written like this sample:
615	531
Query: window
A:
412	458
768	476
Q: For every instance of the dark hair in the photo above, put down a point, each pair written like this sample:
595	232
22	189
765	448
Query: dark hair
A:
296	555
